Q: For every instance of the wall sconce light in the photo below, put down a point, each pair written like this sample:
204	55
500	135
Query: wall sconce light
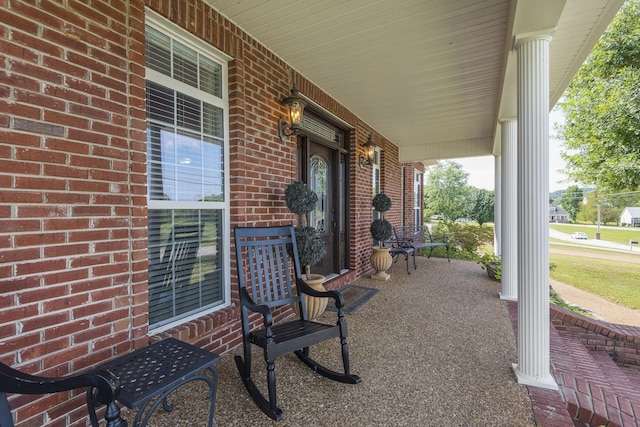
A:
370	151
295	109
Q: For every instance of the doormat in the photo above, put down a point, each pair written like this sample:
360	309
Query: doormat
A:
354	297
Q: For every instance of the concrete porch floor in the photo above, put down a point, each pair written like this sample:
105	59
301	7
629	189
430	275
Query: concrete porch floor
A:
432	348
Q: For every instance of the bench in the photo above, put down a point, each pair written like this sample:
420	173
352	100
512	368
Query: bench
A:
135	380
419	237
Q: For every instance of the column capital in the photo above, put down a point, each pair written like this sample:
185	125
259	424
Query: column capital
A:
545	34
507	119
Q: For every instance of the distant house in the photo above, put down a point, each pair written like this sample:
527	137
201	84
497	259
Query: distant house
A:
557	214
630	217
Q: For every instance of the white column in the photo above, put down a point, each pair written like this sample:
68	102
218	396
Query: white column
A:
509	185
497	210
533	205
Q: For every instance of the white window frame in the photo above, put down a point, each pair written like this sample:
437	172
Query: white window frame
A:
376	180
175	32
418	197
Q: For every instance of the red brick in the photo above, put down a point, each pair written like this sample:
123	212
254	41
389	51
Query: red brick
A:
17	255
91	334
64	119
56	224
54	359
64	329
91	359
14	344
66	198
37	99
72	93
42	294
39	211
36	183
39	266
89	186
43	348
44	321
66	250
42	73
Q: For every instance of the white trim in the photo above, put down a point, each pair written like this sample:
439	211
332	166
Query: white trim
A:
164	80
324	113
418	180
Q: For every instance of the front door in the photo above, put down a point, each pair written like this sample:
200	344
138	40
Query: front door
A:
321	179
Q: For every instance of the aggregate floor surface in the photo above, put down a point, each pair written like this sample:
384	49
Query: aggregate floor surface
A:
433	348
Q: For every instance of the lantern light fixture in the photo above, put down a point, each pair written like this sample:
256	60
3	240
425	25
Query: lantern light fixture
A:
370	151
292	124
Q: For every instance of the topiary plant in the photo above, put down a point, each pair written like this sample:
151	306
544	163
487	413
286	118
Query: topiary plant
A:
301	200
381	229
381	203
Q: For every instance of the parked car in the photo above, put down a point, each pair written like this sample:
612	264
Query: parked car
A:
579	235
464	220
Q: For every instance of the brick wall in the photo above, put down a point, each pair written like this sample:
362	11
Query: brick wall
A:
73	209
73	202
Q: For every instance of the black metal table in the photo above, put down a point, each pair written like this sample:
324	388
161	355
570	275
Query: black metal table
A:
157	370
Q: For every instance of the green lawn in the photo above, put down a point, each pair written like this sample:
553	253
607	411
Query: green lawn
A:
617	281
620	235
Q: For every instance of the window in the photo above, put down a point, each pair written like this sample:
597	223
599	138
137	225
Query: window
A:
187	122
375	168
417	198
318	184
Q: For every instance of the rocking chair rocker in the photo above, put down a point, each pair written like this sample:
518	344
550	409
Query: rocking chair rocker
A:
266	283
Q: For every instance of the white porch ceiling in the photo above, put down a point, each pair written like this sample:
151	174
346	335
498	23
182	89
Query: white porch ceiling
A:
433	76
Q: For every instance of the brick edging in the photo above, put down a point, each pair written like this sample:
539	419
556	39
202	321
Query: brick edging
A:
621	342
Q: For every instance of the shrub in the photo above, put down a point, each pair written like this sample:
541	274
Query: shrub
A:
465	239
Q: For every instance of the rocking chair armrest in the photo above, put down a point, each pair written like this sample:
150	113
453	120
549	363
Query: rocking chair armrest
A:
107	384
14	381
308	290
247	302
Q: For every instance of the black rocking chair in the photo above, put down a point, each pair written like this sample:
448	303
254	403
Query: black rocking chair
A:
265	279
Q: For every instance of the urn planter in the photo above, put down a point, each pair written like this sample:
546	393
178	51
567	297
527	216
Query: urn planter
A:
381	261
315	306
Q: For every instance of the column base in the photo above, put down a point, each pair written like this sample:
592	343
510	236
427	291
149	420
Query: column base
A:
508	297
548	382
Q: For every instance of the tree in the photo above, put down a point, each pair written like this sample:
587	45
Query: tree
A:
602	109
446	190
571	201
609	213
482	208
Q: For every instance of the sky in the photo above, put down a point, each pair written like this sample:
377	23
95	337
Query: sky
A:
481	169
